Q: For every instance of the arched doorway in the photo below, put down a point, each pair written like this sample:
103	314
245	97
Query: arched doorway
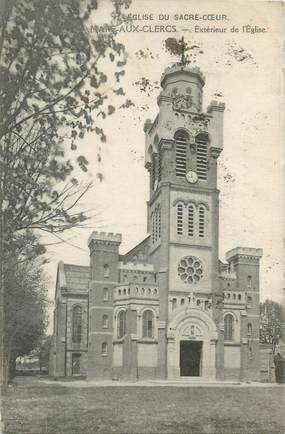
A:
191	345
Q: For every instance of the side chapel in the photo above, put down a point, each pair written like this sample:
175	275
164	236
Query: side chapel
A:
168	308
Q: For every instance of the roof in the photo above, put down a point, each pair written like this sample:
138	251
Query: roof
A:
74	276
138	253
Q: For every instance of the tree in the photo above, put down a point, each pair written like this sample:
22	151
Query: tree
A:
53	78
51	82
270	321
26	305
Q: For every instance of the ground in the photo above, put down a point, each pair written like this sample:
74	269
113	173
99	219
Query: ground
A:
36	405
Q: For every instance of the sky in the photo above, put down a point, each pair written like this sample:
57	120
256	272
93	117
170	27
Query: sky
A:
242	69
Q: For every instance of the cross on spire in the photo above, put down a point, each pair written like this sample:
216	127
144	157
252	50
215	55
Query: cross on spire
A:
183	46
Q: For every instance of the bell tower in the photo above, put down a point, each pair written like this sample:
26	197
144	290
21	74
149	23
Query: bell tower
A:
181	152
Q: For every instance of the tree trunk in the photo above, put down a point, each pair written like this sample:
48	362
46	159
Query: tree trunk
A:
5	371
40	360
12	366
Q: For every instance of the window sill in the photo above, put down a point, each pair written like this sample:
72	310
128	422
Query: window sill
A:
147	341
231	344
118	340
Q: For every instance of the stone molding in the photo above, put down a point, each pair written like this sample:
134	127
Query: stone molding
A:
190	201
192	314
177	68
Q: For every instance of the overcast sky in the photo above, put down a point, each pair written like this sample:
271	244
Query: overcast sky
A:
246	70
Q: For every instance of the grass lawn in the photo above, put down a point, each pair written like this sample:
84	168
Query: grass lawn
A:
36	407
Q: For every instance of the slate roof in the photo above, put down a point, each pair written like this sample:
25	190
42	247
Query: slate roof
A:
76	276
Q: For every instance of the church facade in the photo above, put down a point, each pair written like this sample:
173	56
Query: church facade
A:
168	308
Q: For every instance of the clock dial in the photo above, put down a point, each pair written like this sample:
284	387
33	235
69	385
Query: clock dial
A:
192	177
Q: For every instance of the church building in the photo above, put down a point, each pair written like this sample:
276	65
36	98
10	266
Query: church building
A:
168	308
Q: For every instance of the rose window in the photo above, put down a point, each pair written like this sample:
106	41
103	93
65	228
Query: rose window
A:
190	269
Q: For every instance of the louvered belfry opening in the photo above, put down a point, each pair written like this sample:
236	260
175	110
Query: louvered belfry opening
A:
201	221
190	221
159	158
202	156
179	219
153	170
181	142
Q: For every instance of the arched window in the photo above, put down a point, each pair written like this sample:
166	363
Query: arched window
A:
182	301
153	171
249	301
106	270
228	327
249	281
121	324
174	303
202	159
181	139
249	329
105	322
158	222
148	324
159	164
105	294
76	324
104	349
190	221
201	221
153	226
179	219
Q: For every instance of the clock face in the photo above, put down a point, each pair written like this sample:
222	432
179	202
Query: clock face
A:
192	177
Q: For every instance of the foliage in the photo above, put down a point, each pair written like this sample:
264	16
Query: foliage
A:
270	321
26	305
52	80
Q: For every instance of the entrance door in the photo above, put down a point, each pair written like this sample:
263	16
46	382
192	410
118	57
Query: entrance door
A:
190	358
75	364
